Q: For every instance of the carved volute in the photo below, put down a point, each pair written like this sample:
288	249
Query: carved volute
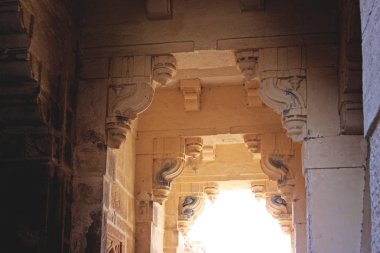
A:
189	209
279	209
167	170
283	87
130	92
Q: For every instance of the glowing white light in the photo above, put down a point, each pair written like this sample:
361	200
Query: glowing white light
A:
237	222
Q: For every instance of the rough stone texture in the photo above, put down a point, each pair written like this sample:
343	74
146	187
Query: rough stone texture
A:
371	77
370	16
37	101
334	211
375	188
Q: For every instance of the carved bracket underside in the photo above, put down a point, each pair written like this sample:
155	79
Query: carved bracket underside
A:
130	92
169	169
279	209
280	91
188	211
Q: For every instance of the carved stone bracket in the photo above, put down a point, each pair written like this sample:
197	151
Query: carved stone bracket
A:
191	90
246	61
129	93
280	92
279	209
212	191
275	167
164	68
168	169
189	209
283	87
252	142
193	146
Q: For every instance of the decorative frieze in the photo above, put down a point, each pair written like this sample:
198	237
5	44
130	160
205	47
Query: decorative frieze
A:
130	92
167	170
275	167
164	68
283	87
191	90
113	245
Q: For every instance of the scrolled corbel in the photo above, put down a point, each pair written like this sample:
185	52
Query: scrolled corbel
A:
129	94
275	167
170	168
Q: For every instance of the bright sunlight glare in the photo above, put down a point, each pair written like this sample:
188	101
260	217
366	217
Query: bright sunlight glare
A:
237	222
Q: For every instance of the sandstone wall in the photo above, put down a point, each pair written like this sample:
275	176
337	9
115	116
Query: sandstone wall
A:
38	41
370	13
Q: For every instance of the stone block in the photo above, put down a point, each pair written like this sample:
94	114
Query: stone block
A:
334	152
335	210
159	9
322	100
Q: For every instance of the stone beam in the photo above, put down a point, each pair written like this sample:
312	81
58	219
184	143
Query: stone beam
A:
159	9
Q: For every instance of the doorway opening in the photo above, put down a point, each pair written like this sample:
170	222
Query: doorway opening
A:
237	222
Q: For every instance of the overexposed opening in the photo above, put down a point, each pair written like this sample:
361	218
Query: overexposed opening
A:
237	222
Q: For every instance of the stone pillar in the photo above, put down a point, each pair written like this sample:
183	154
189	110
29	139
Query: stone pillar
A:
335	182
158	162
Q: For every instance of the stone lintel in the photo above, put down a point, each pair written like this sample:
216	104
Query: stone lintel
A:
334	152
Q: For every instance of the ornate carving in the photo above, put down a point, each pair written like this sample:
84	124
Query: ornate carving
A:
113	245
275	167
193	146
188	211
128	95
278	208
169	169
191	90
246	61
252	142
212	191
280	92
164	68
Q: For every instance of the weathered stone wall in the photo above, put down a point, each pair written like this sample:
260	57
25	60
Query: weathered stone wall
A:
370	13
38	41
